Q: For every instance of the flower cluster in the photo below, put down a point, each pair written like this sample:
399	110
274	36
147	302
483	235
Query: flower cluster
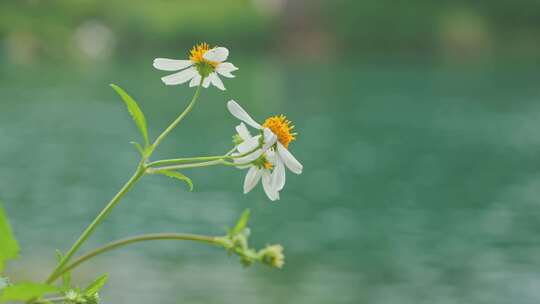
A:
271	154
237	242
264	155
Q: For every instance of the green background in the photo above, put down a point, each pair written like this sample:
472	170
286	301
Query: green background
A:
417	125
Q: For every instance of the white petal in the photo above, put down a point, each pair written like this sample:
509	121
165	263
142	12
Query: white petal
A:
249	144
252	178
239	164
195	81
237	111
206	82
242	161
165	64
180	77
294	165
225	69
271	156
214	79
269	189
278	176
218	54
243	131
269	139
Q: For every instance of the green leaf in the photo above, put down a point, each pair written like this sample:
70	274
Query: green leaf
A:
9	248
242	222
96	286
135	112
177	175
25	291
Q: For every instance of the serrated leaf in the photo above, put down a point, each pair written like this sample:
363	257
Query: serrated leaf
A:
177	175
135	112
96	286
242	222
9	248
25	291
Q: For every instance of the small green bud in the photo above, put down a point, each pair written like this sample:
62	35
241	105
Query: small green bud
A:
92	299
236	139
236	242
273	256
72	295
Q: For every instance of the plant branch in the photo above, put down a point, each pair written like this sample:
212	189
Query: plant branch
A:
178	161
141	170
186	166
178	119
101	216
137	239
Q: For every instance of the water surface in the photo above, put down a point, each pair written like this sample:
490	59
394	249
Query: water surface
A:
420	183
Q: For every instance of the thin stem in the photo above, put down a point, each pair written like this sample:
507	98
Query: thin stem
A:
136	176
101	216
186	166
179	118
49	300
199	159
197	165
137	239
227	163
185	160
190	159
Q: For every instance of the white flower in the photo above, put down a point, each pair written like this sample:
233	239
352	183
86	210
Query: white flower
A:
270	160
250	143
280	127
260	164
203	63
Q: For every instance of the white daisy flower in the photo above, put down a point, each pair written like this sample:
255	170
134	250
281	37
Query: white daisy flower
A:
278	126
203	63
250	143
262	165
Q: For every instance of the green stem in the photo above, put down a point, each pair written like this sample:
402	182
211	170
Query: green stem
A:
137	239
186	166
178	161
101	216
178	119
219	161
53	300
136	176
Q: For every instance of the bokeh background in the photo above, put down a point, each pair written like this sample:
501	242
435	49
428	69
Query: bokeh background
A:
417	127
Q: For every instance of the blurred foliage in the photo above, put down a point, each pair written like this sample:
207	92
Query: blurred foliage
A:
318	27
139	25
480	27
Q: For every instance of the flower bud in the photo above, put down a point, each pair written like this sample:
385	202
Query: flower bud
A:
273	256
236	139
92	299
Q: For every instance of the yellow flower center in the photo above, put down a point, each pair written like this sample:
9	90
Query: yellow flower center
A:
267	165
263	163
282	128
197	52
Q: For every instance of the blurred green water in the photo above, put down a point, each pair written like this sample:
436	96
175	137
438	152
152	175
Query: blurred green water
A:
420	183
